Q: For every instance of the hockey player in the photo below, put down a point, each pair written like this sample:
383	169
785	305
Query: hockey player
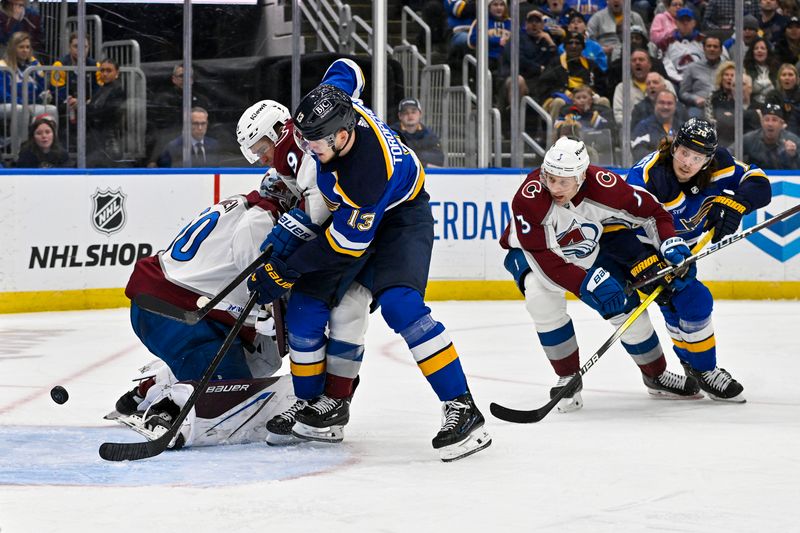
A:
373	185
703	187
571	232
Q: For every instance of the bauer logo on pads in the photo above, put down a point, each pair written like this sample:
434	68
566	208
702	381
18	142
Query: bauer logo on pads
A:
108	211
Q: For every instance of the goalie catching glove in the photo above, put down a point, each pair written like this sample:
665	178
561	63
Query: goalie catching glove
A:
725	215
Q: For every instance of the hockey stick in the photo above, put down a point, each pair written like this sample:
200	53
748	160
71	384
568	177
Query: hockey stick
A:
535	415
132	451
161	307
727	241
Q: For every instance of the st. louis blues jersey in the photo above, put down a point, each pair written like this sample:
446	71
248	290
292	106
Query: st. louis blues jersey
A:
686	202
562	242
377	174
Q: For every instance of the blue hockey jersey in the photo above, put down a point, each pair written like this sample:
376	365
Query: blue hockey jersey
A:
686	202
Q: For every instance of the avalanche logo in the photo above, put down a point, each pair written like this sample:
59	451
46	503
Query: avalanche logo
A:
579	240
782	239
108	213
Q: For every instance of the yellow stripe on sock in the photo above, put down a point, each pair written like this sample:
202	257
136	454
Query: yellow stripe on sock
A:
438	361
696	347
305	371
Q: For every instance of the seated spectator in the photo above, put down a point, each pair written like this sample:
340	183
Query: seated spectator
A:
536	51
460	16
648	133
640	68
638	42
698	78
772	147
789	93
65	84
684	46
571	70
762	66
18	16
416	136
721	104
654	84
592	49
604	27
205	150
750	33
664	24
499	32
556	17
590	115
104	115
587	8
788	48
719	13
771	23
42	149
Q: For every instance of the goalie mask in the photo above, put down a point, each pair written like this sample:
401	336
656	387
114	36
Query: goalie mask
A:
567	158
272	186
262	119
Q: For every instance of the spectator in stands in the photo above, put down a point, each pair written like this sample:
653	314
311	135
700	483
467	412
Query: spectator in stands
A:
460	16
639	40
654	84
205	150
66	82
104	115
762	66
419	138
698	78
17	16
720	105
648	133
42	149
788	48
573	130
719	13
665	23
684	46
789	93
587	8
592	49
556	17
499	32
591	116
771	23
640	68
537	50
604	27
772	147
750	33
570	71
165	114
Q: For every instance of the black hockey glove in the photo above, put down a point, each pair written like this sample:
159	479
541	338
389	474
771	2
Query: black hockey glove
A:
725	215
649	267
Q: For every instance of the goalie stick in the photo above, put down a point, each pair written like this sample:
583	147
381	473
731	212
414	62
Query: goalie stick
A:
132	451
519	416
166	309
727	241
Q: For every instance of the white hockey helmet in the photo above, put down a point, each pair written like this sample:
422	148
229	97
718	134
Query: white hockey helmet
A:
262	119
566	158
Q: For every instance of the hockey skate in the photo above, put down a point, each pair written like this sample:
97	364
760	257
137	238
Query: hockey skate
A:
462	432
717	383
669	385
129	402
323	419
279	427
572	401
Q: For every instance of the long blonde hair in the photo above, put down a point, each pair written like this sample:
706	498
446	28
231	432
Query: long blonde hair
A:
11	50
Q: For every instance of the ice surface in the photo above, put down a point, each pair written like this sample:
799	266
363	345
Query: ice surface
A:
625	462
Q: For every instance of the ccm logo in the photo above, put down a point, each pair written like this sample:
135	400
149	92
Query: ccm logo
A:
228	388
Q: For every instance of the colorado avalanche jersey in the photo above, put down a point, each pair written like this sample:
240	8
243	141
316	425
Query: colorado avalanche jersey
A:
378	173
689	205
561	243
207	254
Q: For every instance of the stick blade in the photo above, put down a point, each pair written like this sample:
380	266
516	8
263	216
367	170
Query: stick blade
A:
518	416
160	307
133	451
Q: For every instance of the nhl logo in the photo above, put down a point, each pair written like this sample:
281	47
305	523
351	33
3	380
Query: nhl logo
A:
108	214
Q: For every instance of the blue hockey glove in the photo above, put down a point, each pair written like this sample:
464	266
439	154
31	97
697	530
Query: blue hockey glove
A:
271	281
675	252
602	292
725	215
293	229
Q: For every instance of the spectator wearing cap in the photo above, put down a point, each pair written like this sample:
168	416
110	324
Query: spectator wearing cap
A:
605	27
720	106
698	78
749	34
537	49
592	49
771	23
416	136
665	23
720	13
789	93
762	65
684	46
586	8
42	149
788	47
570	71
772	147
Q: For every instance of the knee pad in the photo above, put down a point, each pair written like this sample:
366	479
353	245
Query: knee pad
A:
401	307
547	308
694	303
348	320
516	263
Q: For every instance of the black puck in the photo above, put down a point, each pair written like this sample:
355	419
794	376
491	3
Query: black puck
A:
59	394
